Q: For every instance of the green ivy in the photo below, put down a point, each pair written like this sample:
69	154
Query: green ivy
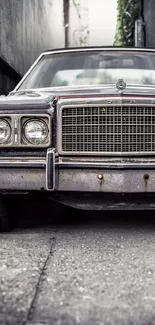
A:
134	11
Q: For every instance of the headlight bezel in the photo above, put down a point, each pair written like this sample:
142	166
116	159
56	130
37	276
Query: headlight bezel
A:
16	122
8	139
23	132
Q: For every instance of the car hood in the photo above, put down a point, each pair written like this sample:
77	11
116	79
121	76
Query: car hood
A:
39	100
43	98
88	90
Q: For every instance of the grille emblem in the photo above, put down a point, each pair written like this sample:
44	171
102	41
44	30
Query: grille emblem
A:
121	84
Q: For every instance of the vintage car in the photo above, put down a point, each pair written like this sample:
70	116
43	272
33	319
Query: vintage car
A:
80	129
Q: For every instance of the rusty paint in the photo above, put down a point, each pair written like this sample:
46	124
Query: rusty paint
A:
100	181
146	178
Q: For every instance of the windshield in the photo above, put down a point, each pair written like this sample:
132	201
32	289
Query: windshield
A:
91	68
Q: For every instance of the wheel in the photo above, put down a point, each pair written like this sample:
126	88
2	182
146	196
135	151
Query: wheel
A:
6	217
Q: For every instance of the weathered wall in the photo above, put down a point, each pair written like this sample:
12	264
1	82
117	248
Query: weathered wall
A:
92	22
27	27
149	18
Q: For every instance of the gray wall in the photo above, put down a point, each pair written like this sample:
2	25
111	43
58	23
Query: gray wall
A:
149	18
25	31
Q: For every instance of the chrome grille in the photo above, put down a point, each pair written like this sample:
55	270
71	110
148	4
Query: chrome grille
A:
108	129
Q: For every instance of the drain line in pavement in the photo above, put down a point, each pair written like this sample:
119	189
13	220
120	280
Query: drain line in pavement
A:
40	280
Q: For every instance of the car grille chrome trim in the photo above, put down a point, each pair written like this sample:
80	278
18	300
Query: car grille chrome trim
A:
22	162
109	130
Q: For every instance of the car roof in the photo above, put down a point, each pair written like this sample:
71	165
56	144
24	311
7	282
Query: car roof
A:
103	48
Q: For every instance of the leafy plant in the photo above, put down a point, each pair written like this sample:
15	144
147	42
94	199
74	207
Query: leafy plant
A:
127	14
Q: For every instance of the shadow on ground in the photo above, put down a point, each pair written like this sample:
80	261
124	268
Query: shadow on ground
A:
41	212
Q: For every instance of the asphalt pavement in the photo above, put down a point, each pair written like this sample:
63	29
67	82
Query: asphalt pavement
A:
85	268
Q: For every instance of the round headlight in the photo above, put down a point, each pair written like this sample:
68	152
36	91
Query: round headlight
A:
5	131
35	131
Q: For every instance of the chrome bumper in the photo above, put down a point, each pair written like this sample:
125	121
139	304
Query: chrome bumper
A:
54	173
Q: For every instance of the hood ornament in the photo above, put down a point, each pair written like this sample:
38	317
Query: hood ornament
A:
121	84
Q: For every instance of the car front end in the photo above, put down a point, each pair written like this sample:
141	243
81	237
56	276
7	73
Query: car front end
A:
90	146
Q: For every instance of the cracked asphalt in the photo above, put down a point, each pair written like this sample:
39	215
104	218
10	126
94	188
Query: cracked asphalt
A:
86	268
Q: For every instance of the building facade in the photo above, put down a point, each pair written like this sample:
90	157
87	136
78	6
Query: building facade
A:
26	29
